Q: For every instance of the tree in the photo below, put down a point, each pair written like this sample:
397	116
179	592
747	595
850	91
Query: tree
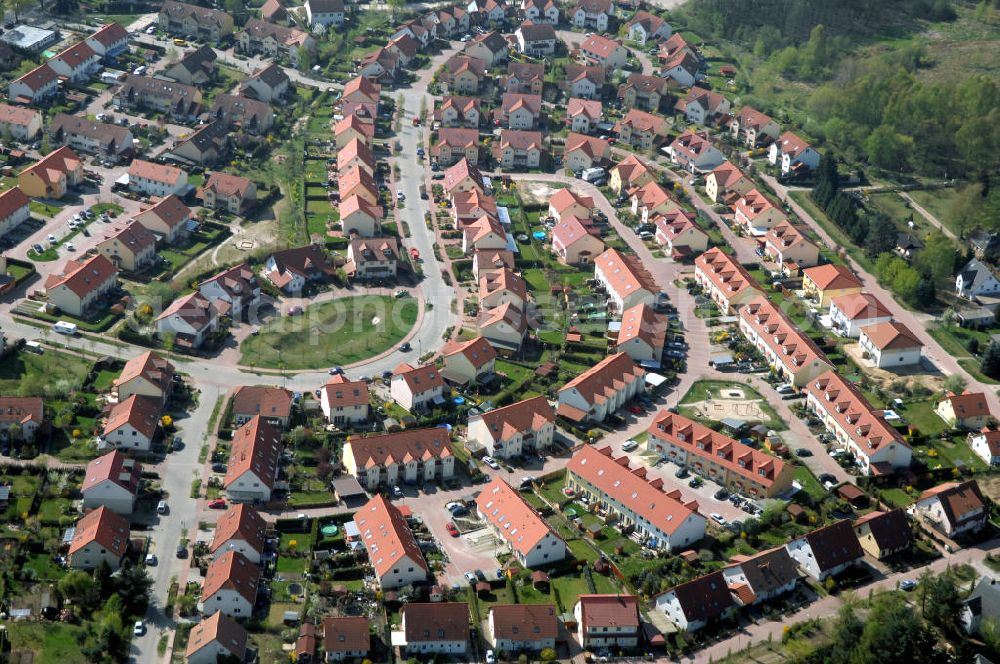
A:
888	149
941	602
955	383
133	585
395	6
972	345
937	258
80	588
990	364
881	237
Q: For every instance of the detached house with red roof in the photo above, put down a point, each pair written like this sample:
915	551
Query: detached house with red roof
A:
757	214
392	548
643	91
677	232
968	410
694	151
520	427
600	50
702	106
826	551
574	241
519	149
132	423
584	81
254	458
602	389
228	192
753	128
413	456
567	202
242	529
792	154
417	388
953	509
456	111
504	326
536	39
519	111
693	605
625	279
524	77
100	536
787	246
233	292
683	68
81	284
794	356
740	468
346	637
515	628
643	27
850	313
215	637
541	11
726	184
583	115
725	280
454	144
642	333
630	173
468	361
890	344
147	374
167	219
112	481
344	401
230	586
20	123
878	449
291	269
35	87
191	318
607	621
27	413
530	539
986	444
274	404
641	130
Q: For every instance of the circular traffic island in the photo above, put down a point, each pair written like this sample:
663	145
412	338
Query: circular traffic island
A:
341	331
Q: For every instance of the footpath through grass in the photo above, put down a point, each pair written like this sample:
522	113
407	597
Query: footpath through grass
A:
342	331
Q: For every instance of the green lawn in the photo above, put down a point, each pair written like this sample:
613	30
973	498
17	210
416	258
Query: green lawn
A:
940	203
43	567
49	641
896	497
809	483
287	565
28	374
338	332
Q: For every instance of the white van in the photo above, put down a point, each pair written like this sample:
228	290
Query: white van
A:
34	347
63	327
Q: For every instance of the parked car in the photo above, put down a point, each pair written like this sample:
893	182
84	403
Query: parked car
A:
217	504
140	628
721	494
182	551
718	518
491	462
907	584
396	491
803	452
629	445
405	347
218	467
681	473
452	530
696	482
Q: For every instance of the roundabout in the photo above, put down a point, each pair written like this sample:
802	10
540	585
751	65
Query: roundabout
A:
338	332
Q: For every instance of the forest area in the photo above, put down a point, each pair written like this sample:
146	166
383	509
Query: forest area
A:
860	79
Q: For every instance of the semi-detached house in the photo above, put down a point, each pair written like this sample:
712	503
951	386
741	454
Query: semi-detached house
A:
215	637
20	123
413	456
107	141
692	605
953	509
167	219
787	246
642	334
468	361
607	621
77	63
762	577
441	627
525	426
530	539
602	389
147	374
152	179
392	549
679	235
112	481
130	247
109	41
53	175
176	100
14	209
233	292
81	285
252	472
187	20
35	87
826	551
515	628
635	503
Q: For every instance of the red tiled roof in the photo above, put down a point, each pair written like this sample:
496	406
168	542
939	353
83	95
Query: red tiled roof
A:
605	378
400	447
231	571
641	322
968	404
624	273
478	350
84	276
141	412
724	271
268	401
528	415
435	622
831	276
386	535
612	611
218	628
525	622
861	306
346	634
793	348
240	522
256	447
342	392
107	529
517	522
891	335
150	366
960	501
115	467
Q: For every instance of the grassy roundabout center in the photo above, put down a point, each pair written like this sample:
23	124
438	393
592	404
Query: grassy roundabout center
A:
341	331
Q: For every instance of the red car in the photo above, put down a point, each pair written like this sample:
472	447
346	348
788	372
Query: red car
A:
635	410
452	530
217	504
